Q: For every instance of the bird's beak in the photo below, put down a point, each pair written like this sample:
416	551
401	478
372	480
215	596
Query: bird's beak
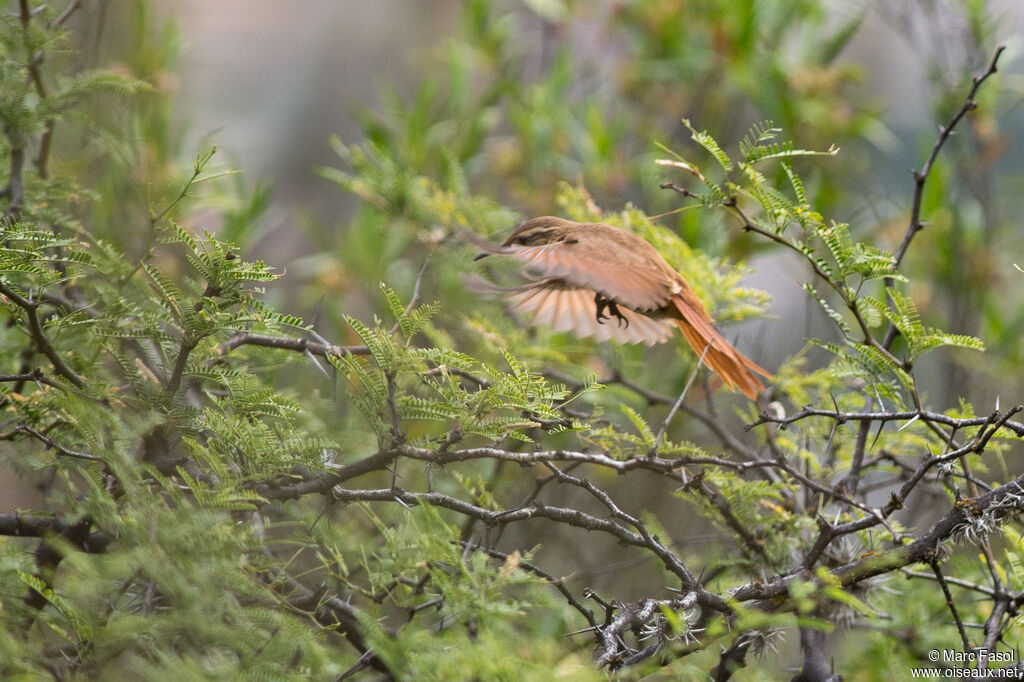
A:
482	254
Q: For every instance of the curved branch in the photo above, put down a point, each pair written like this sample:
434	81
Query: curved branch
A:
538	510
921	177
286	343
42	342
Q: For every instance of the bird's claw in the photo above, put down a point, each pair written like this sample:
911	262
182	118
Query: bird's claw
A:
602	303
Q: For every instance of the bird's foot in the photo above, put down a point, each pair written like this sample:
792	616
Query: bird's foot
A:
603	303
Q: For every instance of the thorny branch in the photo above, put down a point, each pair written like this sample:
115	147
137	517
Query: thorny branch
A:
921	176
300	345
641	618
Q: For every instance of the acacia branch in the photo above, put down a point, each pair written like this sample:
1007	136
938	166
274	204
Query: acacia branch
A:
14	190
37	376
951	605
185	348
300	345
330	612
967	518
671	561
323	483
51	443
42	342
885	416
849	301
896	499
40	526
538	510
921	177
732	658
66	14
725	435
839	287
557	583
613	652
983	589
48	556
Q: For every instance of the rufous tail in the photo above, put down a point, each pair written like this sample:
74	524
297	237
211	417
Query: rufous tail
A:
736	370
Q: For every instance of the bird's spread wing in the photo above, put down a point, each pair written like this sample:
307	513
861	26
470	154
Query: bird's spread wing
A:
640	286
564	308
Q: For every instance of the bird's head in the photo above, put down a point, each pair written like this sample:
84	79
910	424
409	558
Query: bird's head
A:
537	232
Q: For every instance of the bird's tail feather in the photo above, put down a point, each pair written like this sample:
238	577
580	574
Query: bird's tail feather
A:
736	370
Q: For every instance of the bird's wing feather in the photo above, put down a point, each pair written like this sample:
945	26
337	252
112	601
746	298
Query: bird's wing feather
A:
634	286
573	309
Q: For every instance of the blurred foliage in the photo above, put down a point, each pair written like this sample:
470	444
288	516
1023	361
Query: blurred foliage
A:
498	120
194	446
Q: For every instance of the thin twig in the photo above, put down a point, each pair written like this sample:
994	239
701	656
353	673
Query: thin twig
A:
39	336
884	416
679	401
50	443
66	14
921	177
671	561
952	606
300	345
415	291
557	583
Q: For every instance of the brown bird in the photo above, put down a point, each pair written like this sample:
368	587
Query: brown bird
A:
581	271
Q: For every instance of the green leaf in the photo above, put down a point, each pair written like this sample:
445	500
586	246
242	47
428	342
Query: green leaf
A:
704	139
836	316
640	424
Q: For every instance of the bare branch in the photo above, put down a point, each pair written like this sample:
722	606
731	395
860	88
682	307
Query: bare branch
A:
886	416
298	345
921	176
557	583
42	342
951	605
987	511
50	443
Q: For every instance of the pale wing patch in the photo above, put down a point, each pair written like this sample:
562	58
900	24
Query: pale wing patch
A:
634	287
574	310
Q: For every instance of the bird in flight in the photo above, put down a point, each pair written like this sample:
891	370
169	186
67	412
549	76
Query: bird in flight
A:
597	280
